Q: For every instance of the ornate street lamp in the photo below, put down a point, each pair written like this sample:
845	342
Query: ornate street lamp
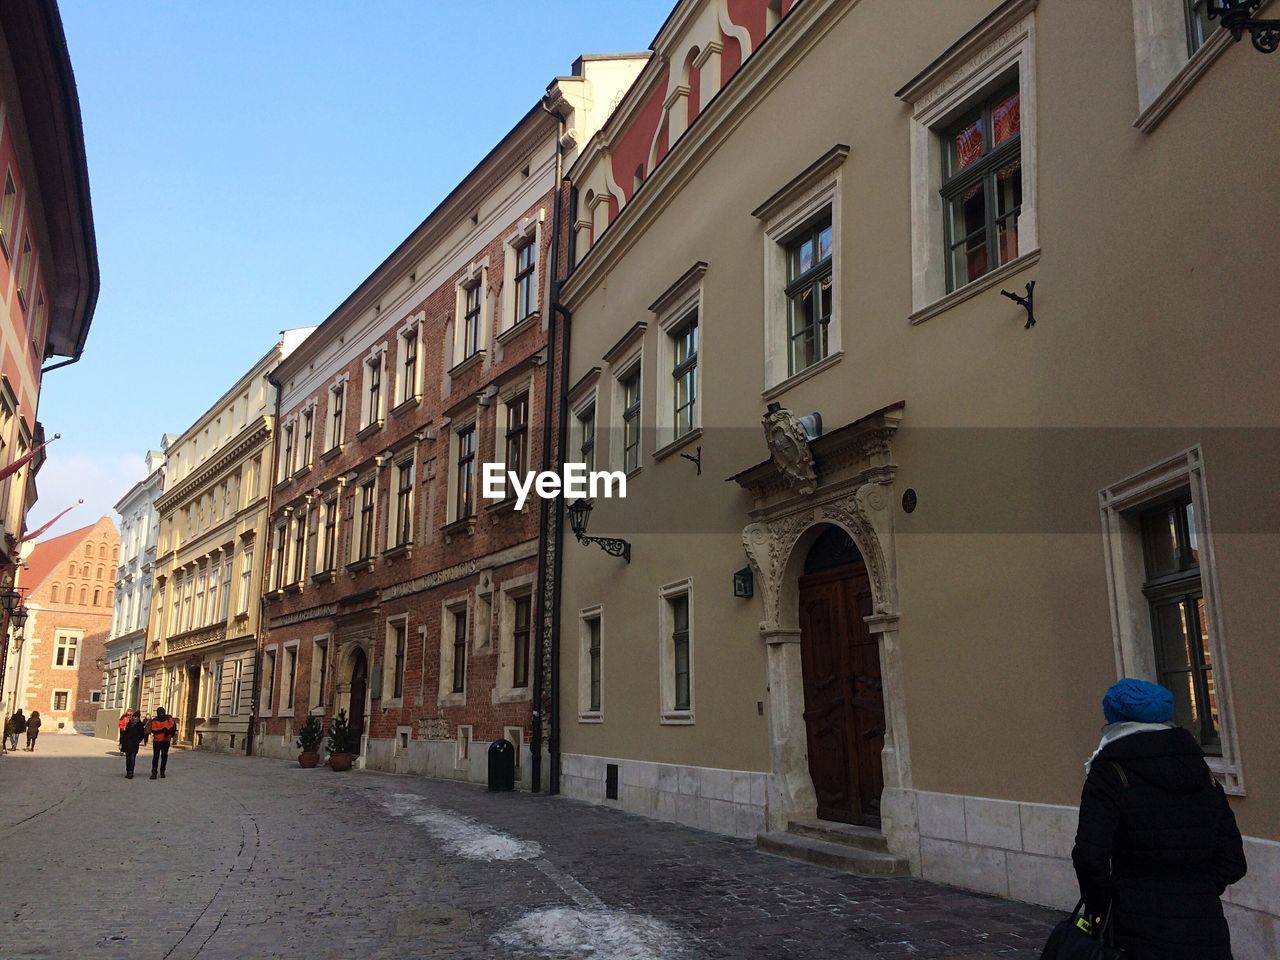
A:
1237	17
18	617
579	512
8	599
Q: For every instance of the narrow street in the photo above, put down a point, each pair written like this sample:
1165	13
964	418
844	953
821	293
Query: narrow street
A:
248	858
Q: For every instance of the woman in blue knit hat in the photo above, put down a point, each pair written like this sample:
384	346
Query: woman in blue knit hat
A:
1157	843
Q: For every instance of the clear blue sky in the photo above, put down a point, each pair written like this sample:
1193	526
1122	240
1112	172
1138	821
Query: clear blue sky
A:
251	162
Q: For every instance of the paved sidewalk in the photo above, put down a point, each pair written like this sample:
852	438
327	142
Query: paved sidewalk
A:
247	859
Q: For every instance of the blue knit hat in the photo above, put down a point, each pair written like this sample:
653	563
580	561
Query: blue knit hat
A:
1138	700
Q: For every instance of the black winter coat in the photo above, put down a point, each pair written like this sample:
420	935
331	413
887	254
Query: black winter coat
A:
132	735
1158	844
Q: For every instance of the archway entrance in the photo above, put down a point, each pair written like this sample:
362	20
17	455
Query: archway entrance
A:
843	697
359	687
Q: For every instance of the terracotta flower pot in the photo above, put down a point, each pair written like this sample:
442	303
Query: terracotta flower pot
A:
341	761
308	759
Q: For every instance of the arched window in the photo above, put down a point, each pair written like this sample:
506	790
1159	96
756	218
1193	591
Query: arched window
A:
102	552
88	549
115	554
53	594
97	598
71	570
83	596
99	571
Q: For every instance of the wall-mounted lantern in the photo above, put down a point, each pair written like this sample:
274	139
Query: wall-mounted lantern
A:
579	513
744	582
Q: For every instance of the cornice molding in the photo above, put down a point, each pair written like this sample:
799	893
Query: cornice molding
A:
252	435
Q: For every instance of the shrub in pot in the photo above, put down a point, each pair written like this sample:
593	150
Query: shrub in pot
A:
309	738
343	742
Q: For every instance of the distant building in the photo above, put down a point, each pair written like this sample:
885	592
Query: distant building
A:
69	587
206	600
126	646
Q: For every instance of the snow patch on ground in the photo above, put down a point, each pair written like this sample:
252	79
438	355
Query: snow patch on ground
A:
569	934
462	835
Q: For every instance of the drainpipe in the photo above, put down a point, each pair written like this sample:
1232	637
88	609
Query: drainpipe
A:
561	451
262	600
56	366
544	505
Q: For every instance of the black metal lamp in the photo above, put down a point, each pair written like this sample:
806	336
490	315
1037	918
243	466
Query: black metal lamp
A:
18	617
1237	17
8	599
579	512
743	582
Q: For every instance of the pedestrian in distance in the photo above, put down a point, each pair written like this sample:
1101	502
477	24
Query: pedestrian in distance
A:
1157	843
131	740
33	730
16	726
124	722
163	730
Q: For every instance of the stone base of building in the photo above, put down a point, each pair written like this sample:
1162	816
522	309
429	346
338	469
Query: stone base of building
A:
221	741
724	801
107	726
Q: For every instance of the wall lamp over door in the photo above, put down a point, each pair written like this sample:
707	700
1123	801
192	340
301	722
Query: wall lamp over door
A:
1237	17
579	513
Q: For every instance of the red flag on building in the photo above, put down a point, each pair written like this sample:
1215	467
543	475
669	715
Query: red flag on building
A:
35	533
23	460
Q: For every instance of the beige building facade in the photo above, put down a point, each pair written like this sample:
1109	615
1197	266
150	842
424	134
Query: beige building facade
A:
989	521
206	600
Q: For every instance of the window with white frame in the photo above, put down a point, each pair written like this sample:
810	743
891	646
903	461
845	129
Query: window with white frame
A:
394	656
215	588
246	579
215	690
1175	42
224	607
1166	609
471	313
25	267
268	693
515	639
586	435
298	552
279	548
629	418
197	616
591	663
471	320
286	453
372	409
408	382
514	414
319	671
453	652
464	472
308	435
675	638
526	293
8	212
237	687
328	553
288	677
402	511
66	648
337	414
362	542
973	161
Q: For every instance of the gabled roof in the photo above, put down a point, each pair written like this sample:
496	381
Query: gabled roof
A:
48	554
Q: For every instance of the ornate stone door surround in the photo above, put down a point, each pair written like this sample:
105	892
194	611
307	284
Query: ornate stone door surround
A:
842	478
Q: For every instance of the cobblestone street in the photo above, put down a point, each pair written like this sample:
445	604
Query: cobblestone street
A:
249	858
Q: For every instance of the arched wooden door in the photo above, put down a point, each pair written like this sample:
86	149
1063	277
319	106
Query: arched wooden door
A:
359	687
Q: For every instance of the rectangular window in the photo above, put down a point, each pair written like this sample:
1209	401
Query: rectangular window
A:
299	547
587	434
684	373
404	503
225	607
8	211
631	420
809	292
336	416
471	322
593	664
409	365
25	265
215	587
373	390
517	455
60	699
465	473
320	671
1199	27
286	453
67	646
460	651
308	422
215	706
197	617
328	550
278	547
523	607
366	520
246	578
526	294
269	671
982	187
175	614
288	678
399	642
237	687
680	649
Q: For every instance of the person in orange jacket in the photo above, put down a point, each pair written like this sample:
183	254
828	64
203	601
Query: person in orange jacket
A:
163	730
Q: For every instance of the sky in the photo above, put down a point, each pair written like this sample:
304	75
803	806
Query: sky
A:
250	164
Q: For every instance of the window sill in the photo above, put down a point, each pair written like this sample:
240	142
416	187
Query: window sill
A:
270	597
677	718
665	451
452	700
593	717
369	429
242	616
301	472
1182	82
520	695
331	453
392	703
502	506
394	553
285	713
464	527
459	369
295	587
826	363
363	565
405	405
514	331
972	289
317	711
324	576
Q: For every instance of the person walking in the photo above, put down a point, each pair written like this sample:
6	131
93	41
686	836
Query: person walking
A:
124	722
33	730
16	726
131	739
163	730
1157	844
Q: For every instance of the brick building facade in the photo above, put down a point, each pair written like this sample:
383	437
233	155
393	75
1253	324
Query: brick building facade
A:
71	581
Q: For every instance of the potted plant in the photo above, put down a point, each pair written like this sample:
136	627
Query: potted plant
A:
343	742
309	738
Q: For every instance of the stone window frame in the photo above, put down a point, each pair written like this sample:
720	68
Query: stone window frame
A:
450	609
1119	506
285	648
668	714
393	540
63	638
389	699
414	329
809	196
527	232
371	419
475	275
306	456
624	358
584	396
682	302
522	387
1165	67
339	383
53	701
1000	49
267	699
288	449
515	736
456	426
511	590
316	692
586	615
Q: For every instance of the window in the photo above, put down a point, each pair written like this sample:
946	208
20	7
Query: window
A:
319	671
680	649
592	658
465	473
1199	27
288	678
525	291
66	648
631	420
684	373
197	616
409	364
397	642
71	570
269	689
809	293
25	265
336	416
404	503
522	608
373	390
982	188
175	614
676	651
53	594
278	547
61	699
246	579
365	542
215	704
8	210
460	651
286	453
237	687
215	586
587	437
517	447
471	320
329	534
225	607
308	424
299	546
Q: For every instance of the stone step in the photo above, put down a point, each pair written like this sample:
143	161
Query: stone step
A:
851	835
838	856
